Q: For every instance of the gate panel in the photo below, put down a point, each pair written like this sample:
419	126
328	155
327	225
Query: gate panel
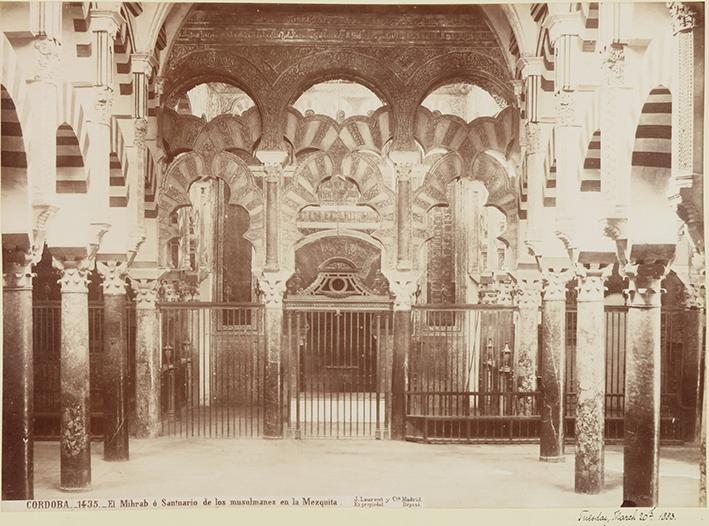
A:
212	369
339	371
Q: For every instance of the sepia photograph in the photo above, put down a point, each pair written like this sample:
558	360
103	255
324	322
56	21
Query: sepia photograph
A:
353	256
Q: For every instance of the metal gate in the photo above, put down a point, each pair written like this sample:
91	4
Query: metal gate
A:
212	369
338	369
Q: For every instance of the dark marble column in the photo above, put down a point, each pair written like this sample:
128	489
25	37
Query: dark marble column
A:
273	176
147	358
75	439
528	295
551	444
272	286
590	383
114	361
403	286
642	385
17	395
403	215
694	336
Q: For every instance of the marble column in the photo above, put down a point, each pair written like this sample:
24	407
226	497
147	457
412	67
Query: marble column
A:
403	286
693	343
147	358
590	382
551	444
642	385
403	214
114	361
18	393
528	295
272	178
75	422
273	286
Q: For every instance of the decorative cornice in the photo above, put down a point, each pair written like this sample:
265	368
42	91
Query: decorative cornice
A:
683	16
74	274
114	276
146	293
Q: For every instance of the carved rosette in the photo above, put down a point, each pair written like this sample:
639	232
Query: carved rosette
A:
555	285
48	59
146	293
114	276
528	292
140	127
613	64
74	275
271	288
683	16
645	289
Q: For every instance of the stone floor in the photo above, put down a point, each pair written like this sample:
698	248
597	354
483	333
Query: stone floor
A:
450	476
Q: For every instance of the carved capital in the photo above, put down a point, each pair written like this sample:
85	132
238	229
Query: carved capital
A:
404	171
644	288
404	287
103	106
48	59
684	17
528	292
170	290
695	294
555	284
74	274
273	171
271	288
613	64
17	267
146	293
140	127
114	276
532	132
590	287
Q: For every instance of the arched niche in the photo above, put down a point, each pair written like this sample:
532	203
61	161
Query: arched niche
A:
338	99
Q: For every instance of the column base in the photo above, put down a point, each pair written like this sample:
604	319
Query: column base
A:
552	459
75	490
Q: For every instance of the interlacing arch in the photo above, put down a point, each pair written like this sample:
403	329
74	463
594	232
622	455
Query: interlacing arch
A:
187	168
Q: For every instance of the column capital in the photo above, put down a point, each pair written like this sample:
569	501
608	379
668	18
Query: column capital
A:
554	282
533	133
645	283
404	286
695	293
140	132
144	63
565	109
684	16
170	290
591	282
146	293
272	287
17	265
74	273
404	163
114	276
103	104
107	21
528	291
563	24
530	65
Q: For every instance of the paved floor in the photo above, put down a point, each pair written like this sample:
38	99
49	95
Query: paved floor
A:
451	476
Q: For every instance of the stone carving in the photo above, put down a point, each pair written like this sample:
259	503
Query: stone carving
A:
590	287
114	276
74	434
272	287
683	16
140	127
74	275
532	130
527	292
103	105
146	293
170	290
613	64
555	284
273	171
644	288
404	287
48	59
17	267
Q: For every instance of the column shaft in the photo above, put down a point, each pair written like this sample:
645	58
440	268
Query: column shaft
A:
75	394
402	341
590	386
273	414
147	371
404	220
271	222
115	376
551	445
17	395
691	394
642	404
